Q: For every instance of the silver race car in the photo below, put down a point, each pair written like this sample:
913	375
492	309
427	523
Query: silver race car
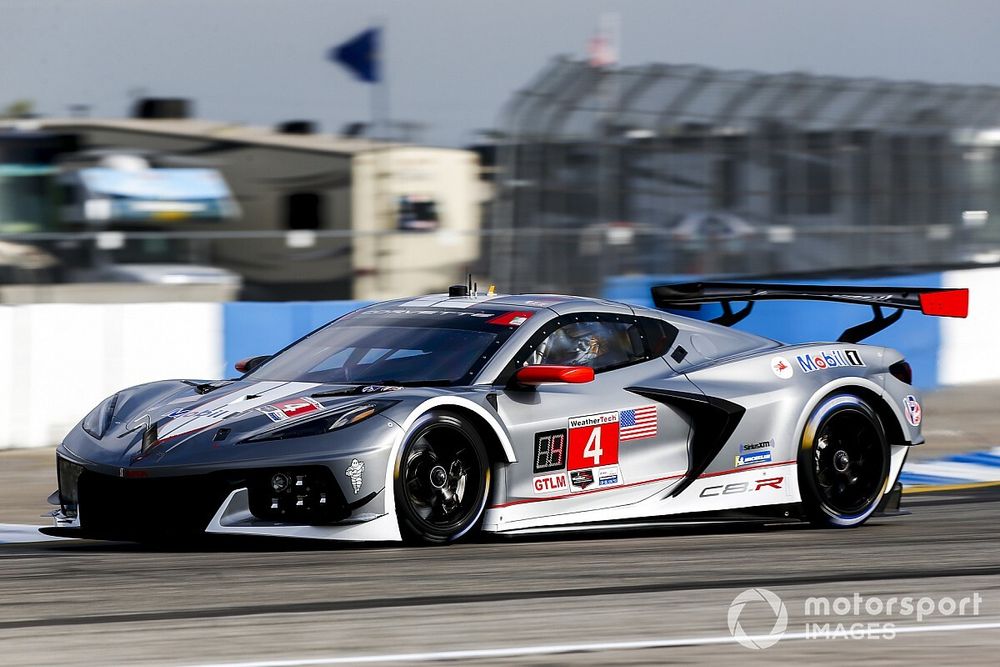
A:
434	418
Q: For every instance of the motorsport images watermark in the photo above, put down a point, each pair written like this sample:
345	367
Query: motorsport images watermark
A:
758	618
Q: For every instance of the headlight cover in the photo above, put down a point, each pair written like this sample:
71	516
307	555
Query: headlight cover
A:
326	422
97	422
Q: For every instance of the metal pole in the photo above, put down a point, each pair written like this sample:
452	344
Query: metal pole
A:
382	137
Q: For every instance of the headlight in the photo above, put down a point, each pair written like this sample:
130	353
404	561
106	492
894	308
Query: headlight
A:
328	421
97	422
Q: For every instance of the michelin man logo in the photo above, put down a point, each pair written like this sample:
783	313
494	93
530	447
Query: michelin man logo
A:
355	472
770	601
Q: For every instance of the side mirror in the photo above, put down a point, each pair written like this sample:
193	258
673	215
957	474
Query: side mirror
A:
250	363
532	375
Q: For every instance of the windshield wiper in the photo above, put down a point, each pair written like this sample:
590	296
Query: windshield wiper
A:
205	387
409	383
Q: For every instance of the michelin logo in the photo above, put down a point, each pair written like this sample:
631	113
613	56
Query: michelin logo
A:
826	359
753	458
356	472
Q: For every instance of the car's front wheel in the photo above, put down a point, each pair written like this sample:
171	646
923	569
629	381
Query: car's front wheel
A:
442	481
843	462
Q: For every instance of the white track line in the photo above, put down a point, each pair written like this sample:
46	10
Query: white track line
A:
17	533
474	654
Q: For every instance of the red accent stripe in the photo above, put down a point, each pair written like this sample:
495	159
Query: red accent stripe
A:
625	486
507	319
732	470
174	436
582	493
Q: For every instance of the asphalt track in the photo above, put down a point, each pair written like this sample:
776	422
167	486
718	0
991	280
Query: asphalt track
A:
650	597
584	597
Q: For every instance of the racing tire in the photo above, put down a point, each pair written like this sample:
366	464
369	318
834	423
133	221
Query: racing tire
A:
442	480
843	462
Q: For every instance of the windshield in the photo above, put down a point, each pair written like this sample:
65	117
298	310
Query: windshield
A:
431	346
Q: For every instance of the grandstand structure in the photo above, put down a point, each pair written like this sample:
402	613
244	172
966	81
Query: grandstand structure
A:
684	169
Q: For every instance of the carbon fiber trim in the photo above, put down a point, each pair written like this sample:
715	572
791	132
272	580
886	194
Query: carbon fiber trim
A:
714	419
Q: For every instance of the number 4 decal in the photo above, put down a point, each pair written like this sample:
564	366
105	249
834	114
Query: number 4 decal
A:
593	441
593	449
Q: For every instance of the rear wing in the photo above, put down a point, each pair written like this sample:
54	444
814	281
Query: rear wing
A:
928	300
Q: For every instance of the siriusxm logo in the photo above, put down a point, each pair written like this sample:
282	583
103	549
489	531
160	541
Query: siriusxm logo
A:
824	359
754	446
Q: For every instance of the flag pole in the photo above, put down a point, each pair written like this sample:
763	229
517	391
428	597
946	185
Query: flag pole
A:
364	56
604	56
380	90
382	137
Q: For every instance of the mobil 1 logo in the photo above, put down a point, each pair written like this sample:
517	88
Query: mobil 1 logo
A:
826	359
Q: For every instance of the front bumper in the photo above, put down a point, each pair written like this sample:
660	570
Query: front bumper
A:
235	517
309	502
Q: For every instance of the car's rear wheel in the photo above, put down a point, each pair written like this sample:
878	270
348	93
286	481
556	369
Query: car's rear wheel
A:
442	480
843	462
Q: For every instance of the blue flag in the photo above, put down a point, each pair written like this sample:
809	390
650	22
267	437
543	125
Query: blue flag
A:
360	55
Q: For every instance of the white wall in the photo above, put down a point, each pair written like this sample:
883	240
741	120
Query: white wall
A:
57	361
969	346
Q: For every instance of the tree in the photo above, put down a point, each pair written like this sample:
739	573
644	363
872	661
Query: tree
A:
18	109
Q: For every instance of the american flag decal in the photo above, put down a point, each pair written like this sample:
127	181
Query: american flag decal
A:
637	423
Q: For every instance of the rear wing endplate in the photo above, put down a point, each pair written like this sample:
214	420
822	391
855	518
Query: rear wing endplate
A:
928	300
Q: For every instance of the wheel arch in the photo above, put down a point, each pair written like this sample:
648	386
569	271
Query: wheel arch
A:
494	447
823	406
893	431
857	386
864	389
488	426
871	393
463	406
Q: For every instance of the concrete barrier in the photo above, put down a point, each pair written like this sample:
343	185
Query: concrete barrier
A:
967	353
60	360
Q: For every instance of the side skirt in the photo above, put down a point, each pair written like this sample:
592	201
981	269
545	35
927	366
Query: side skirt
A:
771	514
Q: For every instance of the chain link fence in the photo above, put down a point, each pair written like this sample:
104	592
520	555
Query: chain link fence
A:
682	169
583	259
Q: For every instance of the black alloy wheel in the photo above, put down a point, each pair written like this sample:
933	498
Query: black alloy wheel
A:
442	480
843	462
